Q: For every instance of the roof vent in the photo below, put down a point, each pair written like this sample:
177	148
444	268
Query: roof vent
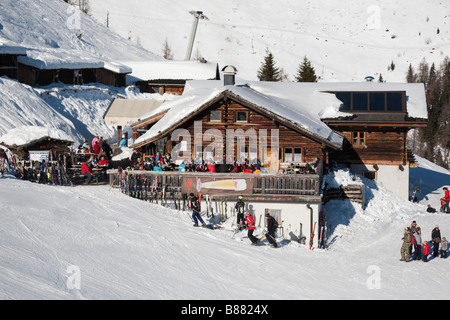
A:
369	78
229	72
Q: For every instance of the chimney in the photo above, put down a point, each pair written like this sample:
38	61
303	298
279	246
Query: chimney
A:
229	72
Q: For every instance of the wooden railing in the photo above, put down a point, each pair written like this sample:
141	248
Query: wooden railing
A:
263	184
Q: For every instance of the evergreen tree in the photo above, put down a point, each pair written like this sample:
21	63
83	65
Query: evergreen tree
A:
306	72
410	76
268	70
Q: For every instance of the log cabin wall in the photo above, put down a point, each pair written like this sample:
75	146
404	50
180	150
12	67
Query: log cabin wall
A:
288	138
380	147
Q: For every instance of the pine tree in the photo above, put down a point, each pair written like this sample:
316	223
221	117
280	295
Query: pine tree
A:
410	76
268	70
306	72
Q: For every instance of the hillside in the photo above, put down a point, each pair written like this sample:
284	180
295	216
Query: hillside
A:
54	31
93	242
49	33
345	40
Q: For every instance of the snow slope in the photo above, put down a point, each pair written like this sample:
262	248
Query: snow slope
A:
76	110
50	31
345	40
93	242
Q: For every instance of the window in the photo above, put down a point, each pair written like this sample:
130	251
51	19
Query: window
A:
346	99
377	101
208	153
372	175
358	138
394	101
215	116
372	101
241	116
360	101
292	154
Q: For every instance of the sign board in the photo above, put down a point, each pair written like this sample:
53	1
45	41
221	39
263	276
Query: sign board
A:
39	155
216	186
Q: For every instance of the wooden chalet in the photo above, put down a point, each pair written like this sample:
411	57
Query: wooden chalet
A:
359	126
70	70
238	109
33	140
362	126
375	122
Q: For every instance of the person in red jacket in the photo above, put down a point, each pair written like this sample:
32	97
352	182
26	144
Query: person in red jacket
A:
425	251
86	172
446	200
250	221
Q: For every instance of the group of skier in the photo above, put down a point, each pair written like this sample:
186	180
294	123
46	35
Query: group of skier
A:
245	220
412	240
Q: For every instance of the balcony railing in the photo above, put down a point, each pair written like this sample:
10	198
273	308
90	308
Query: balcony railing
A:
139	181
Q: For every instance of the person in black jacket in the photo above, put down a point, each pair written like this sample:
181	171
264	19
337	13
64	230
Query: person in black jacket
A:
240	208
272	226
195	206
435	239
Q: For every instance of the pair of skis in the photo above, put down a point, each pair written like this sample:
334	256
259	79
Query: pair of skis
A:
266	232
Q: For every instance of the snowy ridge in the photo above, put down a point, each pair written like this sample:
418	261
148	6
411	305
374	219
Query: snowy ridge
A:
124	248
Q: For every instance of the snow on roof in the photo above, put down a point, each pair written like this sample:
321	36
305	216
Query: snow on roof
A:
123	112
25	135
58	59
303	104
170	69
9	47
117	67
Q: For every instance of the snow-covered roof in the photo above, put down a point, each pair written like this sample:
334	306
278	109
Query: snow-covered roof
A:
9	47
25	135
170	69
301	104
57	59
123	112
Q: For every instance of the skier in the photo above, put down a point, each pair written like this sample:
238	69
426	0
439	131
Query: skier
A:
272	225
195	205
240	207
250	221
405	250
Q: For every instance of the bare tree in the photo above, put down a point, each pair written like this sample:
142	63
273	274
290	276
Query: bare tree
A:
167	51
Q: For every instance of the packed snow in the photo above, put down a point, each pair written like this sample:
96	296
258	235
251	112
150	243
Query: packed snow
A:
93	242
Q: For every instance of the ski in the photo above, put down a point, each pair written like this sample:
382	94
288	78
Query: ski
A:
312	236
266	233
